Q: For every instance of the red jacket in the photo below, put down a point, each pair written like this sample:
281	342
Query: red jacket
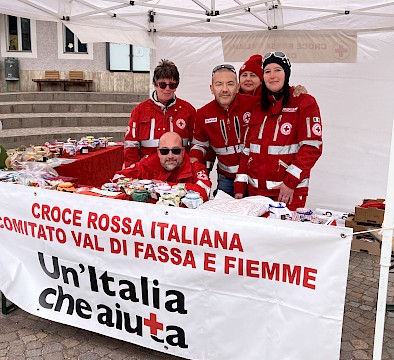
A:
194	176
282	145
150	120
224	131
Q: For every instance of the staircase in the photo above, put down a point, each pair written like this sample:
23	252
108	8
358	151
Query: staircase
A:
33	118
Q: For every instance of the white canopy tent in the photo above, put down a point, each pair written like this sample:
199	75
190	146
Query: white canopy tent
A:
353	89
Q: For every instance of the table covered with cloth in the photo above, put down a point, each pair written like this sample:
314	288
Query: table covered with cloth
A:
95	168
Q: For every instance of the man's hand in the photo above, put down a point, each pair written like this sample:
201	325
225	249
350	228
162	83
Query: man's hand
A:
193	159
298	90
238	196
285	193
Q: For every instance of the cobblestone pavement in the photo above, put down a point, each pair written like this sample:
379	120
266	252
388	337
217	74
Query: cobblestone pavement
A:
24	336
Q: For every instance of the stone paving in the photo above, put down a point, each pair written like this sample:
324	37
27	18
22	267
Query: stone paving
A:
24	336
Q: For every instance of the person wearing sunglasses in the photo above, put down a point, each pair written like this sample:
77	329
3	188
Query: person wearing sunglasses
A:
161	113
284	139
171	164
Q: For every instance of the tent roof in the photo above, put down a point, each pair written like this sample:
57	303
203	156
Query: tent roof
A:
179	17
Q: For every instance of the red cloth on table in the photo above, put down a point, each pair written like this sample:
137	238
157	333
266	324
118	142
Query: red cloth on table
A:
95	168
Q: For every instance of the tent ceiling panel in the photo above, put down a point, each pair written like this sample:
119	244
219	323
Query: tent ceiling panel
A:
179	17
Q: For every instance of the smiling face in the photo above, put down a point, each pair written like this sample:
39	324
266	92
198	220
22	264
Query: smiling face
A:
166	94
224	87
274	77
249	82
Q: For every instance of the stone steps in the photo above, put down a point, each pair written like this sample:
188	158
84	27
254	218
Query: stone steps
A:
28	107
17	121
72	96
38	136
34	118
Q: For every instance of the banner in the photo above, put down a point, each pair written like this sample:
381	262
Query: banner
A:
199	285
299	46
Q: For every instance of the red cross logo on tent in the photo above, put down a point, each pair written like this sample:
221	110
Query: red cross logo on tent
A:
341	51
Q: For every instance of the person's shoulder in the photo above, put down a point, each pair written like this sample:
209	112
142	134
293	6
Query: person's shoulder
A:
248	100
208	106
185	103
305	99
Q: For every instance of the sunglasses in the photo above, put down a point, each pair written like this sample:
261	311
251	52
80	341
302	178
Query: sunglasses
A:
166	151
163	85
277	54
224	66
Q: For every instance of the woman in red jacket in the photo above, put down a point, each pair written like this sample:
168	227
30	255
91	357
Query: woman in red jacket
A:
284	139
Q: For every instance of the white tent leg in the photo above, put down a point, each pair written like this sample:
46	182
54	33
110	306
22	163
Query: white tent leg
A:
385	258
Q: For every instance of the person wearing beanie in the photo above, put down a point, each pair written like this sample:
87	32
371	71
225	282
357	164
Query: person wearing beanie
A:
251	75
284	139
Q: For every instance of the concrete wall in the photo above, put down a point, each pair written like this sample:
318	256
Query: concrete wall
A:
48	59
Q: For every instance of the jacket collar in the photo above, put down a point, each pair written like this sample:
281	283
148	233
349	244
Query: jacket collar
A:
161	105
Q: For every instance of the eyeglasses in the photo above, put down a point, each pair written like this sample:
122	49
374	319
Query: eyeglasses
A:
277	54
163	85
224	66
166	151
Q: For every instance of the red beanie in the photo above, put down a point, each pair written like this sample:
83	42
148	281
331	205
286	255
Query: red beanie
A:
253	64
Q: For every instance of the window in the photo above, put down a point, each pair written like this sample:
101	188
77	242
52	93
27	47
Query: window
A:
125	57
18	34
69	47
72	43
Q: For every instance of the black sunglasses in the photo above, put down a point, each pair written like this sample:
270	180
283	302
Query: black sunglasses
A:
163	85
166	151
224	66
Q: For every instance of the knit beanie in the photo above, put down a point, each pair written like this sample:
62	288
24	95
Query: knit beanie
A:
253	64
283	61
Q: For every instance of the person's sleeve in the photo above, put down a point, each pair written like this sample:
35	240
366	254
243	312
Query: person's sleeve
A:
241	179
131	150
201	182
200	143
310	142
132	172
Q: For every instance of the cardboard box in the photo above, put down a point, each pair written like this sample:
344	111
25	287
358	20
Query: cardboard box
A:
369	215
360	245
363	242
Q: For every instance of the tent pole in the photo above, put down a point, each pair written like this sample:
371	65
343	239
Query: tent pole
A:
385	257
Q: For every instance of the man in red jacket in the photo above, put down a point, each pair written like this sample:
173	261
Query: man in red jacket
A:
221	125
161	113
171	164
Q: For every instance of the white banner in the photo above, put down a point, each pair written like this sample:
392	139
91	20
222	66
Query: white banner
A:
197	285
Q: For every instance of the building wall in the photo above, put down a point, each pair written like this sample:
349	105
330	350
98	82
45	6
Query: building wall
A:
48	59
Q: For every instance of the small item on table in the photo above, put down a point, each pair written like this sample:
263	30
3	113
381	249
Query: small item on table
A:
66	187
192	200
141	195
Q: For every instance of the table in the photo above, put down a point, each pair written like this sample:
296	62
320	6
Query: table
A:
95	168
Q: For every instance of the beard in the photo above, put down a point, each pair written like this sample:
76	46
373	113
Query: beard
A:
170	165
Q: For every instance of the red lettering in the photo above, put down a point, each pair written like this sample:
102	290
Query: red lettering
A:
163	255
252	268
92	219
309	276
291	276
229	263
209	259
176	256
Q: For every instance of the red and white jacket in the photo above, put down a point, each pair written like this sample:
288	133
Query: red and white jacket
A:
150	120
224	131
194	176
282	145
